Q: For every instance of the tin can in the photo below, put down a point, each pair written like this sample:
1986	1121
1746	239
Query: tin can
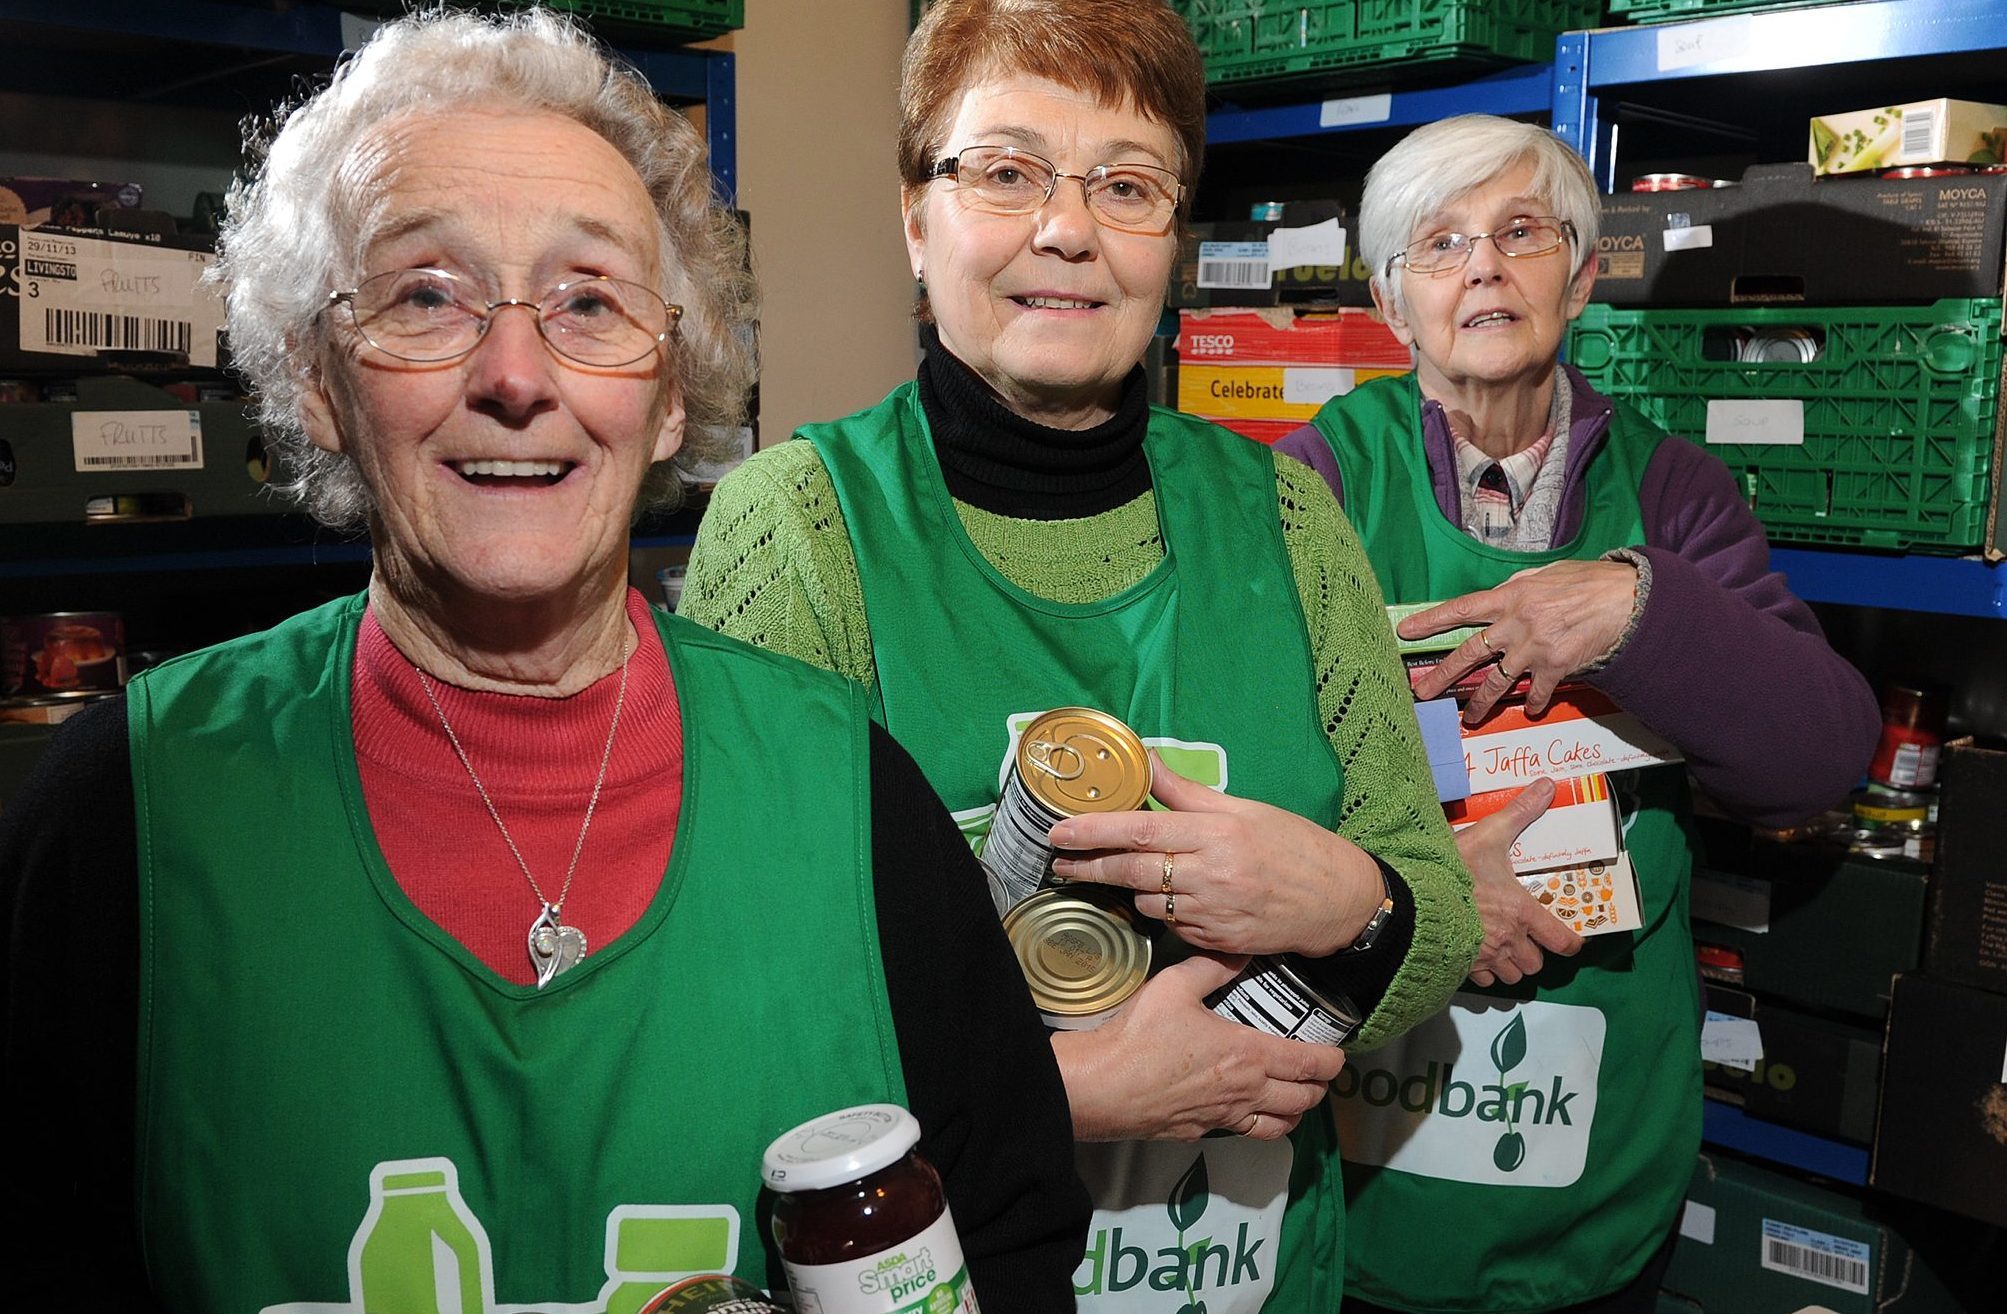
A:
46	710
1271	995
62	654
1068	761
1877	805
1926	171
1081	952
1912	735
1668	182
710	1293
1788	346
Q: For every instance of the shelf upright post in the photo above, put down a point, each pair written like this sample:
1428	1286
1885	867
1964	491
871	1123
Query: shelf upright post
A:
1574	113
721	121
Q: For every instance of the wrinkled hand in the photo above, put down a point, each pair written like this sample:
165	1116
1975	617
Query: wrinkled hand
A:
1166	1067
1517	928
1248	878
1548	622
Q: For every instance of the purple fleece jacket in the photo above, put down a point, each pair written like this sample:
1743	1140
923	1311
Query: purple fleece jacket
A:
1726	662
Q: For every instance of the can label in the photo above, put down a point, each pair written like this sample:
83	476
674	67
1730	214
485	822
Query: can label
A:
64	653
923	1275
1269	997
1905	758
711	1293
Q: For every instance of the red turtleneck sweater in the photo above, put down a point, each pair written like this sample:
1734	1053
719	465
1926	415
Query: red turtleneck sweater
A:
539	758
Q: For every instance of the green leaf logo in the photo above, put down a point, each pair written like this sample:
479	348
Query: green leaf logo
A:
1190	1196
1509	1045
1510	1152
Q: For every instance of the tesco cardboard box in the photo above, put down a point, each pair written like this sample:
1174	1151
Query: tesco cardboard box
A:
1784	236
1266	392
1285	335
100	302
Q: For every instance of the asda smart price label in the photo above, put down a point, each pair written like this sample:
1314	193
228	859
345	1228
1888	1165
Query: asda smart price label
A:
923	1275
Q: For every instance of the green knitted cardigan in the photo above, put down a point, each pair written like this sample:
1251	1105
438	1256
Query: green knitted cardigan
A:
773	565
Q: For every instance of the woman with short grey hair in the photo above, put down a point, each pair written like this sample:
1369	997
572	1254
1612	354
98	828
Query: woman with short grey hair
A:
1587	547
477	933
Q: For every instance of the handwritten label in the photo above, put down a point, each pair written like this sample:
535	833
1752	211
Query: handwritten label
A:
1771	423
83	295
1688	45
1697	1221
1697	238
110	441
1306	386
1733	1042
1317	245
1355	109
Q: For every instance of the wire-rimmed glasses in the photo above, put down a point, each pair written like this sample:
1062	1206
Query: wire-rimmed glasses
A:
431	315
1530	236
1132	196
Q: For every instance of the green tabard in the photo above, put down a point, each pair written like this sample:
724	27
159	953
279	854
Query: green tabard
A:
1208	660
1526	1148
339	1104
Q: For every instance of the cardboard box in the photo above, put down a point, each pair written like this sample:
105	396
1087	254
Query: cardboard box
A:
1809	925
1230	263
1783	236
1599	899
1921	132
1284	335
1966	936
1790	1067
1582	733
125	450
1754	1241
1942	1134
1266	392
1262	431
75	303
1580	826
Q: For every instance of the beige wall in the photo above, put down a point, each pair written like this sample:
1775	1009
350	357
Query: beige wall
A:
818	113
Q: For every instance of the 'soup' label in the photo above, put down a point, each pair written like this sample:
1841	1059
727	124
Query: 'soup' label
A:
923	1275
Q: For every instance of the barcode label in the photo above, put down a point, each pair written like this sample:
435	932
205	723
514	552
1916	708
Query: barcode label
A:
106	441
1242	265
1821	1257
1919	134
103	331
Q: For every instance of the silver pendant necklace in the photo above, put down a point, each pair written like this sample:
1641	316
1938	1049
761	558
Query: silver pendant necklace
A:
554	947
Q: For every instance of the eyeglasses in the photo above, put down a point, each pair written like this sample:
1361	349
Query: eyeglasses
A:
1006	180
1521	237
429	315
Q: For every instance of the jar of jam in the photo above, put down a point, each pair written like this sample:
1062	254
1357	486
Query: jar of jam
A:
861	1221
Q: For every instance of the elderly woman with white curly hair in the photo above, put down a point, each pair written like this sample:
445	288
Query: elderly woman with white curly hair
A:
1586	545
447	938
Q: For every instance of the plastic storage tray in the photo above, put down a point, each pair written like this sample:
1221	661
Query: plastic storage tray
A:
1260	41
1681	11
1901	411
684	18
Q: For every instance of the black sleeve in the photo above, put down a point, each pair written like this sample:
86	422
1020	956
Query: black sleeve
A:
980	1073
69	883
1363	976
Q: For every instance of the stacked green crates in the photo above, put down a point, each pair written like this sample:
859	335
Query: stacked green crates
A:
1901	411
691	19
1262	41
1681	11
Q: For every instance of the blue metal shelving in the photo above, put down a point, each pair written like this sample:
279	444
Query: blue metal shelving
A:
1527	89
1958	586
1728	1126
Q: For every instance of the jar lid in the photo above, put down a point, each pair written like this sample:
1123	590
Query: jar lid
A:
840	1147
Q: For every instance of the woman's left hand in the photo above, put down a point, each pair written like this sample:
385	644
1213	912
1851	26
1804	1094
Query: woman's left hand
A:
1547	623
1247	878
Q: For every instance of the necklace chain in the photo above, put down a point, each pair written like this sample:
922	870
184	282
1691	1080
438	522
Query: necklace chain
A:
605	757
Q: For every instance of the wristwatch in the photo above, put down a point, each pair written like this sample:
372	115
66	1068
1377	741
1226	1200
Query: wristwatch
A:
1381	915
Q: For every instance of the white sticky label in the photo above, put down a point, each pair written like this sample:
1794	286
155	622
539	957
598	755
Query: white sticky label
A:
1733	1042
925	1273
1356	109
1313	386
1242	265
1728	899
1696	238
81	296
1820	1257
104	441
1696	1222
1770	423
1688	45
1318	244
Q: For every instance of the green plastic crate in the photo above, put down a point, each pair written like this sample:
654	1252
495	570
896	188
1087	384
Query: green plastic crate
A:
1901	412
1681	11
684	18
1249	41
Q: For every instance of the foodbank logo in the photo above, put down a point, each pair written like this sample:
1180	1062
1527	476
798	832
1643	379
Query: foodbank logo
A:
1508	1049
1189	1267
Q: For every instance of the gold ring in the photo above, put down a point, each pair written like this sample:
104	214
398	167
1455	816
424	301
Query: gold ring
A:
1170	866
1170	909
1170	896
1484	637
1253	1121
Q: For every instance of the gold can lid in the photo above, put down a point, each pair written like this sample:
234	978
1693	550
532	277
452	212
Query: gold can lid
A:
1075	760
1079	948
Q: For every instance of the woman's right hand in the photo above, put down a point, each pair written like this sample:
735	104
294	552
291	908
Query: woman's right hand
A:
1518	931
1166	1067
